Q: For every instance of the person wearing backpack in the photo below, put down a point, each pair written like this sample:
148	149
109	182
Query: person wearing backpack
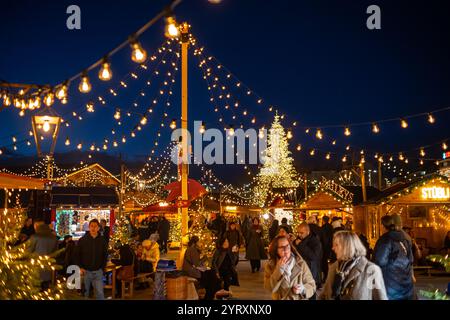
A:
393	254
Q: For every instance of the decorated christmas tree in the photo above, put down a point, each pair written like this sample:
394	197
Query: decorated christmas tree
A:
19	269
121	232
278	170
207	238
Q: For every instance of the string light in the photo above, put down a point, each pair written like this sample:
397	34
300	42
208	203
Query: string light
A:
299	147
319	134
117	114
105	73
49	99
173	124
404	124
444	146
171	28
202	128
144	120
347	131
84	86
61	93
138	54
289	134
422	152
431	119
375	128
67	143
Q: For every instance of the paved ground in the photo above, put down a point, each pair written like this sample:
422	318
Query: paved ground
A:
251	284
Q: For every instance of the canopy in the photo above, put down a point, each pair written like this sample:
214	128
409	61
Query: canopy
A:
195	190
12	181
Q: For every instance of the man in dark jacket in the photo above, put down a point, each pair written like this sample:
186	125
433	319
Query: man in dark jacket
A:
163	230
91	256
28	228
393	253
326	240
43	243
310	249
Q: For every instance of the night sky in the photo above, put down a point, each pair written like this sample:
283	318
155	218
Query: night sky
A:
314	60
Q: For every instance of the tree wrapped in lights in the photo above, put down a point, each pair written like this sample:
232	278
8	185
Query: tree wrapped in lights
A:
207	238
278	170
121	232
19	269
175	230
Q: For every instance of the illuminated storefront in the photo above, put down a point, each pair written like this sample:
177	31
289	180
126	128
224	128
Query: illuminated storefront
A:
424	205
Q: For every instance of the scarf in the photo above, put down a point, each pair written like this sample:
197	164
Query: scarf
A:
342	273
286	270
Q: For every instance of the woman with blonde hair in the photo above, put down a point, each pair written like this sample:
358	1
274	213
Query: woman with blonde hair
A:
352	276
287	275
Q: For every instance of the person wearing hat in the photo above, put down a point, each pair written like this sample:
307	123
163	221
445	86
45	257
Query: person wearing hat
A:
150	254
393	254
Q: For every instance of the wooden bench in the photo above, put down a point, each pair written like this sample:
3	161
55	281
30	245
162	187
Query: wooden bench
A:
128	285
423	268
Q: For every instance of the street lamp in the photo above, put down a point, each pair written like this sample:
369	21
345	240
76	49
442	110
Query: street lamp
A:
44	121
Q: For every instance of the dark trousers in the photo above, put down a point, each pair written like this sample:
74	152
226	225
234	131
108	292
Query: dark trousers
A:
211	283
225	275
163	245
256	264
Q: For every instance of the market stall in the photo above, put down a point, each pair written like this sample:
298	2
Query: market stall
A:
73	207
424	205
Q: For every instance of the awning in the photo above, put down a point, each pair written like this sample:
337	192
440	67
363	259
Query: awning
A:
12	181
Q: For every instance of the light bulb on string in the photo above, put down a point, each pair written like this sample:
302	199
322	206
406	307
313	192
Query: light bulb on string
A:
289	134
202	128
138	54
105	73
421	162
61	92
144	120
117	114
173	124
90	107
347	131
299	147
49	99
444	146
431	118
312	152
22	113
67	143
422	152
261	133
319	134
84	86
231	131
79	146
6	100
403	123
328	156
375	128
171	28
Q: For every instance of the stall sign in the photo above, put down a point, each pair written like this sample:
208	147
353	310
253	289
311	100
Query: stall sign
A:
436	193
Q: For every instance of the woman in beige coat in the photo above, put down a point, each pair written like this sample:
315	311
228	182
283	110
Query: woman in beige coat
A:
352	276
287	275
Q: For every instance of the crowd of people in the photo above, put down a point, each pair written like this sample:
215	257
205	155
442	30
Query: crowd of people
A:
311	262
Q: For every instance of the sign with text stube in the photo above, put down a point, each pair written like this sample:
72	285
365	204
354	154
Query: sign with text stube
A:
435	193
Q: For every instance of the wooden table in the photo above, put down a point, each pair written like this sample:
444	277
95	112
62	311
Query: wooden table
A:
110	267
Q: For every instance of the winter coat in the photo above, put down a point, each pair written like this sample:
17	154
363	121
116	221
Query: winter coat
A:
151	255
364	282
218	226
273	231
282	289
191	261
91	253
310	250
393	253
255	246
326	239
43	243
163	229
218	259
315	229
234	237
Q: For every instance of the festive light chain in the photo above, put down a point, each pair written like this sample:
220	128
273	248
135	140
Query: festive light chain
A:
259	101
48	93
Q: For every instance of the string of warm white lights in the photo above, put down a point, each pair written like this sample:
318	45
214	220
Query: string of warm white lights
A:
30	97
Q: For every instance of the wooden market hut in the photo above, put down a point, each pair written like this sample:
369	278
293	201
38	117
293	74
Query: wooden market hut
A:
424	205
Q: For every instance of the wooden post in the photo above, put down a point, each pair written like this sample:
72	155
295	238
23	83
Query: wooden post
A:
380	177
363	182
